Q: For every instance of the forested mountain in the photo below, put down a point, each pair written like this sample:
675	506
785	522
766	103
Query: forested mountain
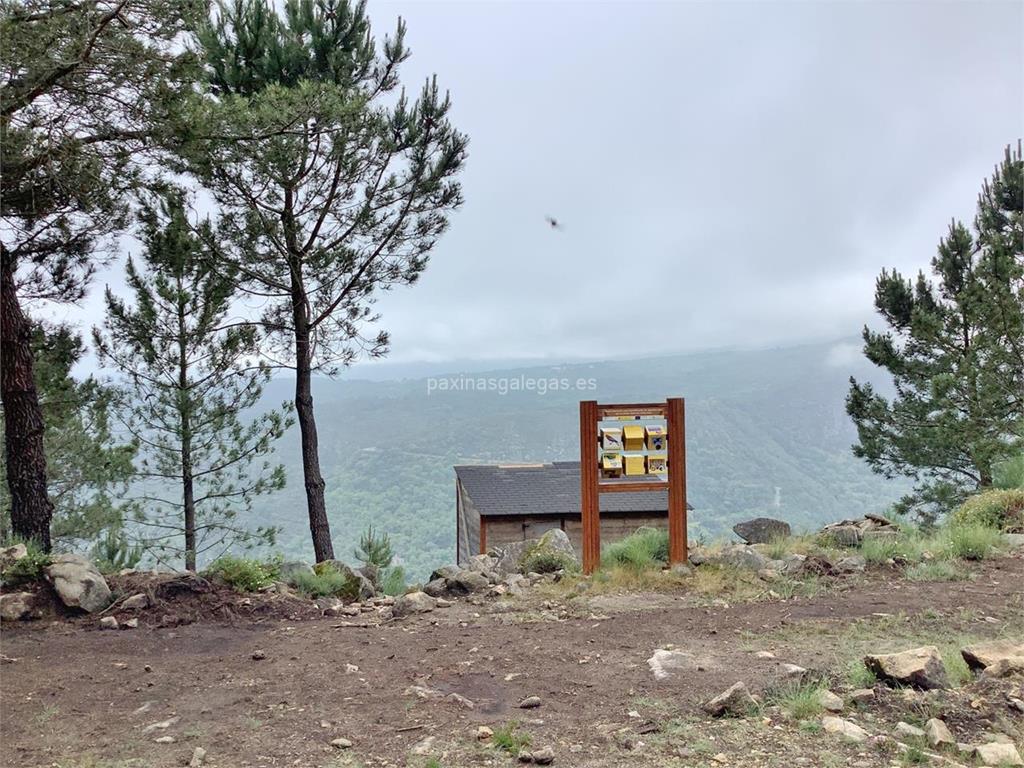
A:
767	434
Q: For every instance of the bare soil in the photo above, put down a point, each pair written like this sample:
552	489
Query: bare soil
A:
75	695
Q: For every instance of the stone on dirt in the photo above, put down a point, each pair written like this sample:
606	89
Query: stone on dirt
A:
509	557
983	655
762	530
544	756
919	667
341	743
198	755
998	754
938	734
17	606
530	702
851	564
78	583
414	602
908	731
1010	666
862	695
735	555
844	728
108	622
466	582
665	662
424	746
736	700
130	624
436	587
830	702
10	555
137	602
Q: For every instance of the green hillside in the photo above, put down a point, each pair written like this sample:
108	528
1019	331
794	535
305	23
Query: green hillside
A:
767	434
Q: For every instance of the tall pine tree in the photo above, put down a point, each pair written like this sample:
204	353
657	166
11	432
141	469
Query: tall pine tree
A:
955	350
332	186
192	381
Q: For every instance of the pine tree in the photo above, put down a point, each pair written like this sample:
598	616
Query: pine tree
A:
89	467
332	186
192	381
955	351
84	88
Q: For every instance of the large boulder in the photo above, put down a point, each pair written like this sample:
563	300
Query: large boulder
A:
733	555
364	589
919	667
18	606
78	583
998	753
762	530
510	558
445	572
984	655
850	533
436	587
466	582
414	602
290	569
736	700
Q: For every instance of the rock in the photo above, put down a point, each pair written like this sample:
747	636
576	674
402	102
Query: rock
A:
666	662
436	587
414	602
329	606
365	589
78	583
792	671
736	700
108	622
851	564
530	702
17	606
817	565
198	755
137	602
762	530
424	746
164	740
466	582
920	667
843	535
982	655
163	725
908	731
371	573
130	624
525	756
509	558
445	572
292	569
850	533
1005	667
259	655
998	754
1014	540
862	696
341	743
516	583
734	555
10	555
482	563
830	702
792	564
938	734
483	733
544	756
844	728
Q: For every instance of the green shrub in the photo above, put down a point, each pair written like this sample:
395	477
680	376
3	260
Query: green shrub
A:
645	549
509	738
801	701
1009	474
1000	509
113	552
392	581
972	541
328	583
375	549
245	574
907	545
859	676
547	561
28	568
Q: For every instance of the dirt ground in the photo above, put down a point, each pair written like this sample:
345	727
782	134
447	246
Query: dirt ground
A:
76	696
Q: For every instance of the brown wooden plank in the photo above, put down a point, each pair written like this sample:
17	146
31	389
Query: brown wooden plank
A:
589	510
632	486
655	410
677	523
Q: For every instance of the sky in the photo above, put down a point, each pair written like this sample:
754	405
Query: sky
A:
725	174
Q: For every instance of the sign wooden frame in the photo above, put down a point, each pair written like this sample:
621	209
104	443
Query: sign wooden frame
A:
592	486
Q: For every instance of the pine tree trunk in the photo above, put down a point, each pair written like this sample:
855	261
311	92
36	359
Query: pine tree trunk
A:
184	413
31	508
319	526
188	496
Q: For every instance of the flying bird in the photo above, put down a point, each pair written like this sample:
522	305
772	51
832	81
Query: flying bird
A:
553	222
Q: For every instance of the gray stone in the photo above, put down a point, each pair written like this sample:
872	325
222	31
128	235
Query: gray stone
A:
1008	666
792	564
998	754
467	582
198	755
130	624
544	756
436	587
78	583
414	602
17	606
482	563
1014	540
291	569
366	589
509	557
371	573
137	602
10	555
737	556
938	734
919	667
109	622
983	655
530	702
844	535
844	728
341	743
862	695
830	702
851	564
762	530
908	731
736	700
445	572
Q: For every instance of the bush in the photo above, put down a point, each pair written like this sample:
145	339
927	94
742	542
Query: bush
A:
510	739
28	568
541	560
647	548
113	552
375	549
1009	474
245	574
907	545
936	570
1001	509
392	581
328	582
972	541
801	701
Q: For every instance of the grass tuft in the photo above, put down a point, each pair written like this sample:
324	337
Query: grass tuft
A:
327	583
245	574
510	739
936	570
969	541
643	550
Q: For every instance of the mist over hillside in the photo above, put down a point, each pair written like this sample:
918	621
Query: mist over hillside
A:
766	431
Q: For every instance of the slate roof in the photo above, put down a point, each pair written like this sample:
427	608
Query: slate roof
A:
544	489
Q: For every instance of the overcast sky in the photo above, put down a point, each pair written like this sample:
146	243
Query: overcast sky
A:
727	173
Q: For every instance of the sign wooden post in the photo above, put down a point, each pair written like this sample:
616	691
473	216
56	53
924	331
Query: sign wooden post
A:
673	411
